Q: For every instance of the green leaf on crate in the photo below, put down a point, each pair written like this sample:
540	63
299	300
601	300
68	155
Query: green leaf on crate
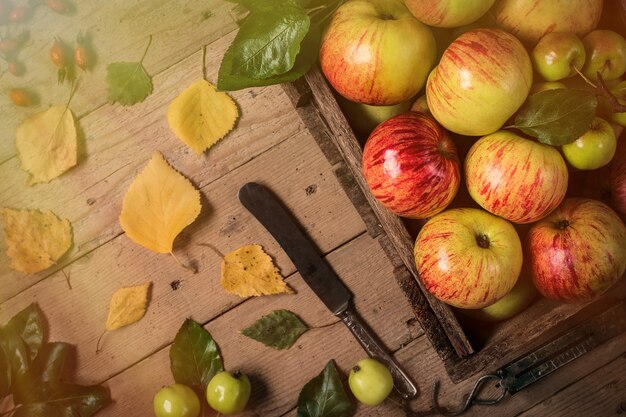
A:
324	396
557	117
48	366
128	83
194	356
279	329
268	42
5	374
16	353
63	399
304	61
27	324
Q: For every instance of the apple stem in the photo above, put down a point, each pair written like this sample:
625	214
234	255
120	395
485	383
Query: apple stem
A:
237	374
483	241
356	368
562	224
587	80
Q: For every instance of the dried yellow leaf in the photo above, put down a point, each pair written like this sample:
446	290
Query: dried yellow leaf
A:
127	306
46	144
249	271
200	116
35	240
158	205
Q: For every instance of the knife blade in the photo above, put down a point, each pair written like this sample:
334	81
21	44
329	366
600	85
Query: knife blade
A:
318	275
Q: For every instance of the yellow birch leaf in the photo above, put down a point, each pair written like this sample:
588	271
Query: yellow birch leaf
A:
249	271
158	205
46	144
35	240
127	306
200	116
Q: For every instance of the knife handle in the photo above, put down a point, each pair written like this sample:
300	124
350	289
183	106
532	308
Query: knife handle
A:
373	347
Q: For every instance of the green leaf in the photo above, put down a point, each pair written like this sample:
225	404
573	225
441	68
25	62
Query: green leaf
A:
128	83
557	117
5	374
279	329
47	366
260	5
324	396
15	353
304	61
194	357
27	324
57	399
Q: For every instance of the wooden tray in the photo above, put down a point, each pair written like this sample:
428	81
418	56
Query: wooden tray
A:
465	349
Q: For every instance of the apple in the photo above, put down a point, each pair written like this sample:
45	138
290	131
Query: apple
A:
363	118
468	258
516	178
606	53
594	149
411	165
578	252
617	178
546	85
483	77
513	303
529	20
420	105
619	91
448	13
370	381
557	54
376	52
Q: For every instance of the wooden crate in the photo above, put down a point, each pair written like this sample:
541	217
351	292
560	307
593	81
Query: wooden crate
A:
465	349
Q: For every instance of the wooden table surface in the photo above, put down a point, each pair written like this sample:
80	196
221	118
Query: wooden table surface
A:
271	145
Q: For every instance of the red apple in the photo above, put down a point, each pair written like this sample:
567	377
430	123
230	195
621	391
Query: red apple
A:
578	252
606	54
376	52
411	165
467	257
529	20
617	178
482	79
515	178
448	13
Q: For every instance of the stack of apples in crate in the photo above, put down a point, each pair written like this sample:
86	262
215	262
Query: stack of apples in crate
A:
496	124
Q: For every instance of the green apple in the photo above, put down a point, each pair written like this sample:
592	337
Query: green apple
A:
228	393
546	85
513	303
556	54
448	13
482	79
619	91
176	400
467	257
529	20
370	381
376	52
606	53
594	149
364	118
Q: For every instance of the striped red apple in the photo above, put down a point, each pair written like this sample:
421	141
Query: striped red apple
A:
467	257
482	79
448	13
411	165
515	178
578	252
617	177
376	52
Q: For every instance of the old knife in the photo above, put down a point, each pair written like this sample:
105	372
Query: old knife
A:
320	277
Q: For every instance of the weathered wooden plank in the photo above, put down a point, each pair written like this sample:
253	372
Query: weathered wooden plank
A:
278	376
90	194
118	31
78	315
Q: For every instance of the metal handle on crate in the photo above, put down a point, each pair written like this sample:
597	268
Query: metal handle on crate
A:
401	381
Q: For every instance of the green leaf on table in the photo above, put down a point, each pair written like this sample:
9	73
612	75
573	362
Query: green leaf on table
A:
324	396
62	399
259	5
266	45
279	329
304	61
47	366
557	117
16	354
27	324
5	374
194	357
128	83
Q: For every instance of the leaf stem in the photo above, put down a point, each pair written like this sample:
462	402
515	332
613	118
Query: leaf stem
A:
204	63
67	278
98	342
187	267
213	248
326	325
146	50
73	89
